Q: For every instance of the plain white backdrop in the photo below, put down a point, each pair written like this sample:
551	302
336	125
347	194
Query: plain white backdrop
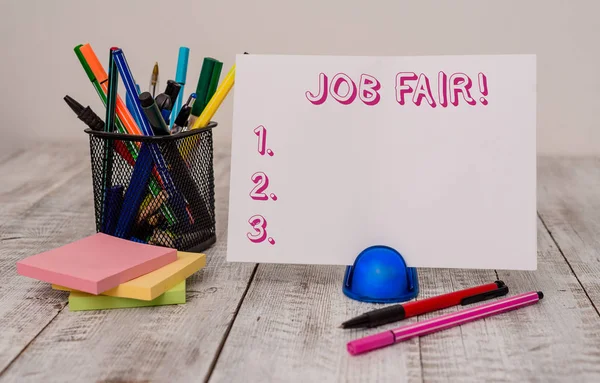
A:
38	66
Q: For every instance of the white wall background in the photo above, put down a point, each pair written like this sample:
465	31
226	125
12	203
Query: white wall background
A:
38	66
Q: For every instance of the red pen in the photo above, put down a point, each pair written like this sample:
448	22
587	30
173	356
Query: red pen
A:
398	312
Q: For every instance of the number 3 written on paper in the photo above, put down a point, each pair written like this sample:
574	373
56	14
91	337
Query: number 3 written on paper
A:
258	192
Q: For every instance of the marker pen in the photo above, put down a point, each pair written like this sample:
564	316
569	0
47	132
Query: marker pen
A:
181	120
153	114
86	114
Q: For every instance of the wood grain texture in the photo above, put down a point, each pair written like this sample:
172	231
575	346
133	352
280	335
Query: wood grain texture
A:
28	225
287	330
287	326
556	340
569	205
168	343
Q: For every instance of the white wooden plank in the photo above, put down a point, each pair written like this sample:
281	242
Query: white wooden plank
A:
558	339
287	327
444	352
287	306
287	330
27	226
169	343
28	175
569	205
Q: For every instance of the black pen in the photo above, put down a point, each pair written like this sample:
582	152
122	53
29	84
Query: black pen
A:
410	309
180	122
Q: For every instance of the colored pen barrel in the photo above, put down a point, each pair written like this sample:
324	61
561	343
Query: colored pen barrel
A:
182	117
152	111
129	82
109	126
399	312
452	299
172	90
216	100
125	123
442	322
180	77
203	85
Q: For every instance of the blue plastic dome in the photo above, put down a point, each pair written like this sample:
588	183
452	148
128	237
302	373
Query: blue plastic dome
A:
380	275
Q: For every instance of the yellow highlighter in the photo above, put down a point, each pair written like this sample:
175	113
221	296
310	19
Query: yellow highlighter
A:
216	100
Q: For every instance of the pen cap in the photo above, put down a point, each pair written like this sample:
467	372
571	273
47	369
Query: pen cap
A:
82	60
183	116
379	274
182	64
371	342
172	90
163	101
153	113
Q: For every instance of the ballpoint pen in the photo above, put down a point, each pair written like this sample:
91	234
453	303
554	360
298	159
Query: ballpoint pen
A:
154	80
399	312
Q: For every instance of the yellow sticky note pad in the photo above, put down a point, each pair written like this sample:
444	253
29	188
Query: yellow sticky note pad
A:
150	286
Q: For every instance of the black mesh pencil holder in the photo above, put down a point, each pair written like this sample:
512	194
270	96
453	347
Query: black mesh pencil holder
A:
155	189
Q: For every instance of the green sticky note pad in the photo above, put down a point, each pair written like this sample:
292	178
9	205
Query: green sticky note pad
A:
79	301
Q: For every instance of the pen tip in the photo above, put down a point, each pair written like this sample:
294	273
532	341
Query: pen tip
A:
73	104
540	295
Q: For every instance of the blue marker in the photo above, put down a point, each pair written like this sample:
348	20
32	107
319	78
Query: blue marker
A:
138	113
135	191
180	77
129	103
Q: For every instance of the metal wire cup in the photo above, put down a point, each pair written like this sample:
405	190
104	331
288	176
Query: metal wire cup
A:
145	202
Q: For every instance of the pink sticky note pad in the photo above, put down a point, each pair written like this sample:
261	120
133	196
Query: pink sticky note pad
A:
96	263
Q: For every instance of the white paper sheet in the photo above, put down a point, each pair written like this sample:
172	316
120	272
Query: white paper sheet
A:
440	165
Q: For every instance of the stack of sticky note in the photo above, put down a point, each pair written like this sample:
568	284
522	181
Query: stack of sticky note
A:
106	272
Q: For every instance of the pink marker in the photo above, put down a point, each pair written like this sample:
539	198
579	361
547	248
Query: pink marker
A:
442	322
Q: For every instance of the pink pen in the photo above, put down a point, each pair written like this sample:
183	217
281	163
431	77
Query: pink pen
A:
442	322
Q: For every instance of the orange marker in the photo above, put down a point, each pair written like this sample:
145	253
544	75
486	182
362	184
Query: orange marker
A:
102	78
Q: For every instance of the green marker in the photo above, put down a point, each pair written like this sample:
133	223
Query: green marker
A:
202	88
155	189
214	81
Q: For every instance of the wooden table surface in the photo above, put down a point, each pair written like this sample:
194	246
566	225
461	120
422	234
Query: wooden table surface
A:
270	323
